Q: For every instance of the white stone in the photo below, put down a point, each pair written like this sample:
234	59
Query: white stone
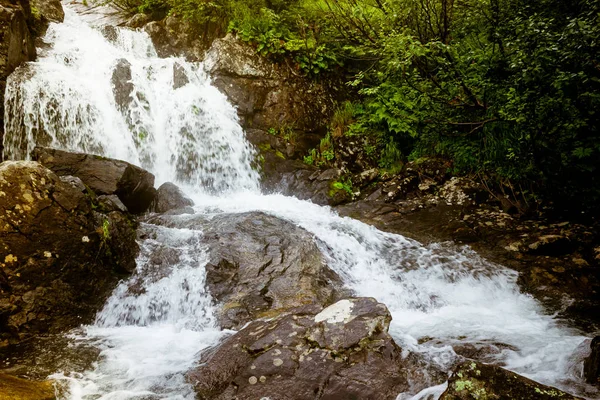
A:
335	313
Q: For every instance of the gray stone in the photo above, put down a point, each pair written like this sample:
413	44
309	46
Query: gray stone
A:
170	197
353	357
121	84
104	176
259	265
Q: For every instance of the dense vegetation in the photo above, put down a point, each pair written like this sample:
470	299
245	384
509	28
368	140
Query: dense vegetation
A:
509	89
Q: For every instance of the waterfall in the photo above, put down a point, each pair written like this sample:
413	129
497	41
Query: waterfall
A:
103	90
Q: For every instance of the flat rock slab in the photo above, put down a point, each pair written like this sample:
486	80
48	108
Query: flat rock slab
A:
340	352
105	176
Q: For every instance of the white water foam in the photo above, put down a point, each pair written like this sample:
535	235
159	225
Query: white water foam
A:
180	130
150	336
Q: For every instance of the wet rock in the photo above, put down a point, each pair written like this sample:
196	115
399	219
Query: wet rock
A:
176	37
551	245
138	20
169	197
110	203
16	46
104	176
180	78
267	95
341	352
260	265
591	365
59	258
472	380
294	178
159	36
48	10
13	388
122	85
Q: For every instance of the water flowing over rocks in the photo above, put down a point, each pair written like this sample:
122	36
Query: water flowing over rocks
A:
281	276
16	46
104	176
60	258
473	380
341	352
259	265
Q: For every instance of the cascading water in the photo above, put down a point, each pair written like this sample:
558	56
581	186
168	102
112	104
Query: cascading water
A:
174	123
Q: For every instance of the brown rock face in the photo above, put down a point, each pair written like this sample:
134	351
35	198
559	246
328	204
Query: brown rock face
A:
13	388
260	265
342	352
472	380
59	258
105	176
269	96
591	366
46	11
16	46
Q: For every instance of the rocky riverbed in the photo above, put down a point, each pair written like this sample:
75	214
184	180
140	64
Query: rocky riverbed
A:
96	260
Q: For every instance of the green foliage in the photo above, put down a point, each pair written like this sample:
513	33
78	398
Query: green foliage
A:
341	185
35	12
323	155
105	231
503	88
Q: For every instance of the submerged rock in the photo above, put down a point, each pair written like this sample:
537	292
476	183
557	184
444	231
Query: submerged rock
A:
13	388
122	85
591	365
170	197
59	257
473	380
260	265
341	352
104	176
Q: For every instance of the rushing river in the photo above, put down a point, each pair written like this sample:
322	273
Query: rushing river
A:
185	131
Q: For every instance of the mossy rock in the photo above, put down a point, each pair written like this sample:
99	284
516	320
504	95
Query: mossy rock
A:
472	380
13	388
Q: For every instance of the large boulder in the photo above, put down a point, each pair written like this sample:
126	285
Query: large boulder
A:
13	388
44	12
60	255
259	265
174	36
170	197
16	46
341	352
591	365
104	176
472	380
